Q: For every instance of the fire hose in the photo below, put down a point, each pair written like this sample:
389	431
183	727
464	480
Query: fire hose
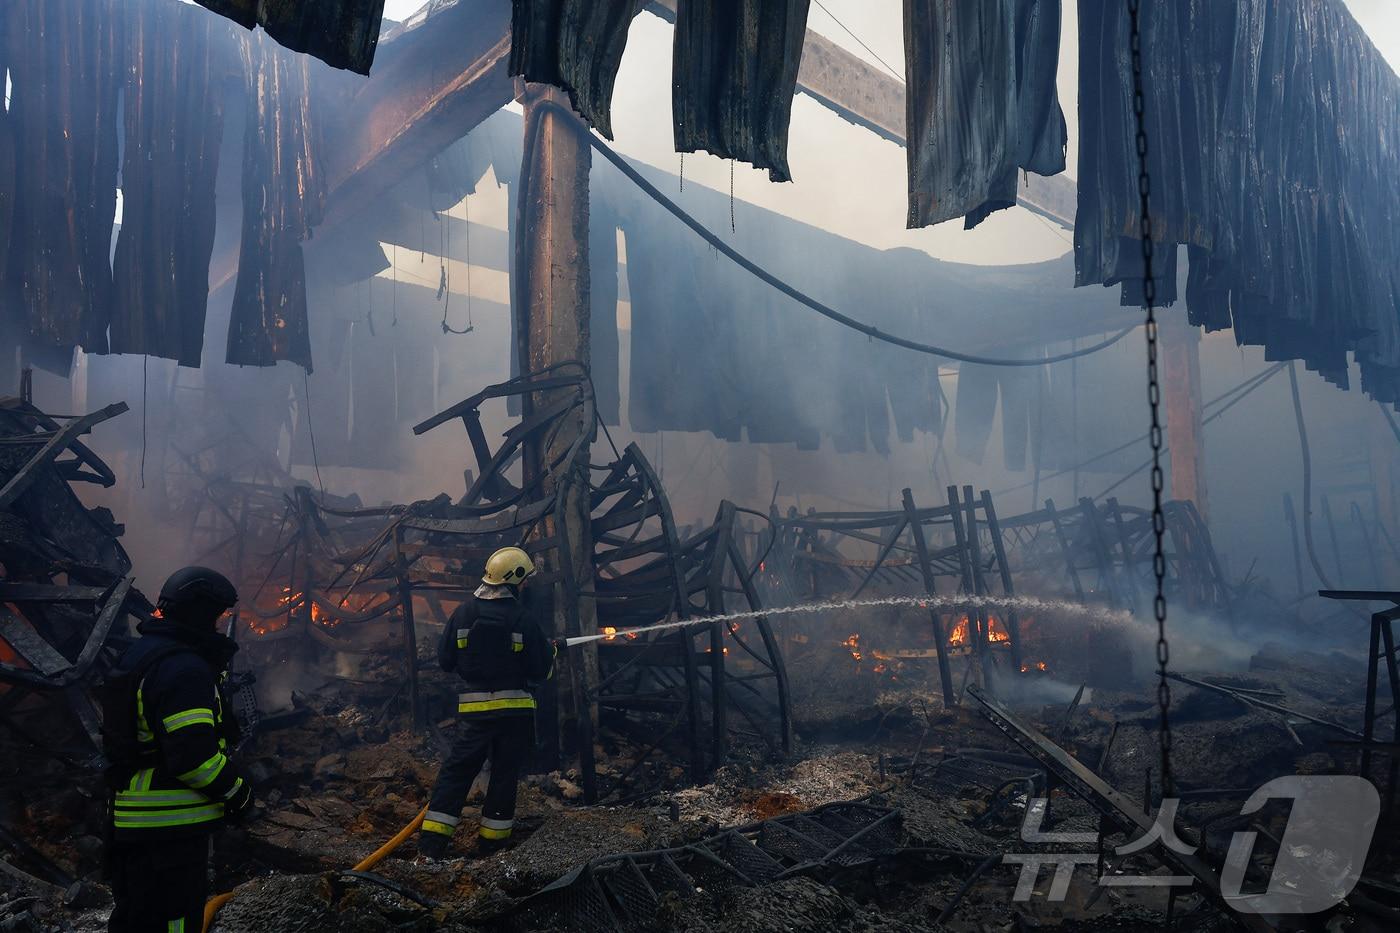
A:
215	903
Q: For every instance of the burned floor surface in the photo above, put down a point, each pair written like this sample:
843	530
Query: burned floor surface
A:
856	767
762	845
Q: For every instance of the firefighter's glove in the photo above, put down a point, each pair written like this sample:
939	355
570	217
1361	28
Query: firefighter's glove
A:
238	807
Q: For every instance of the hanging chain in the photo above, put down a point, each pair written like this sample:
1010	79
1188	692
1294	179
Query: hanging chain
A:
1154	399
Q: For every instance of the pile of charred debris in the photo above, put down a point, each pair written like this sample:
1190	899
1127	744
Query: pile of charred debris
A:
853	768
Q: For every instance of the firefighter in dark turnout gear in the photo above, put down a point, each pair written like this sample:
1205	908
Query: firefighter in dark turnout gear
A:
166	734
499	652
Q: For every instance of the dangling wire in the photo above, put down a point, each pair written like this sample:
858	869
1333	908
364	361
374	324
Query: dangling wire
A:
448	328
732	228
311	432
467	219
682	171
1154	399
367	302
145	359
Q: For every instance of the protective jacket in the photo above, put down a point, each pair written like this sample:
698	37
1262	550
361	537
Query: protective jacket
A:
169	736
493	644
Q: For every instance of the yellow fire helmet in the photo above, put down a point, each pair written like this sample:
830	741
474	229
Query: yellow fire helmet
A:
508	565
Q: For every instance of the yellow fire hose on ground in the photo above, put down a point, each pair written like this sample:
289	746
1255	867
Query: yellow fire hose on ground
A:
215	903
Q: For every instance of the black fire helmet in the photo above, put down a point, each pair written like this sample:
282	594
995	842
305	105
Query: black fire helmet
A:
196	596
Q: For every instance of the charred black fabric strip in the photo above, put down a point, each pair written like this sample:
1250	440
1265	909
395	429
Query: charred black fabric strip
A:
178	62
283	197
341	33
62	60
735	72
981	103
1274	161
575	45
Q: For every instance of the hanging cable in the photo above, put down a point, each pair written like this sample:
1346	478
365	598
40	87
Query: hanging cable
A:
1253	384
859	41
311	431
145	359
1244	387
467	220
792	292
732	227
1154	401
1390	420
1307	478
394	288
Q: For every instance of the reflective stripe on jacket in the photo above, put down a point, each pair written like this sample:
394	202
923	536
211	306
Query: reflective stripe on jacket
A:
497	649
490	701
183	774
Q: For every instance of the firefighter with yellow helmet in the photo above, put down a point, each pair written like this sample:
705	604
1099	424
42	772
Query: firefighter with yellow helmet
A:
493	644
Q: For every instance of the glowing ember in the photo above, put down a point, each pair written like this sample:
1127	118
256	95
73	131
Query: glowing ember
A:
610	632
853	643
1033	666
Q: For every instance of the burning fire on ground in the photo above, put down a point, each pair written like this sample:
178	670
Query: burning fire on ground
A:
884	663
961	636
289	602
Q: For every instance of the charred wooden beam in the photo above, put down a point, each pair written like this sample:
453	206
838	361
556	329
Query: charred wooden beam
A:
431	86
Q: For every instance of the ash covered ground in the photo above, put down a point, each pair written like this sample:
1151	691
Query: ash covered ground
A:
337	775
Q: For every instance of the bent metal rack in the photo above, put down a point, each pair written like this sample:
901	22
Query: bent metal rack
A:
687	693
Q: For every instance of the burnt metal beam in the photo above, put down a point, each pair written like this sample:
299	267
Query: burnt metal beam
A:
45	593
31	646
54	445
940	637
1249	698
1098	794
431	86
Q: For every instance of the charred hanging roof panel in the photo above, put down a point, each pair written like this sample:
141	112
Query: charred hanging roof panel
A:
283	197
63	58
734	74
179	60
575	45
341	33
1274	150
981	103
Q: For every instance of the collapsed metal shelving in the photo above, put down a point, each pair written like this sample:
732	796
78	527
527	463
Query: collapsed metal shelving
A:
828	555
1106	552
64	590
624	891
337	563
